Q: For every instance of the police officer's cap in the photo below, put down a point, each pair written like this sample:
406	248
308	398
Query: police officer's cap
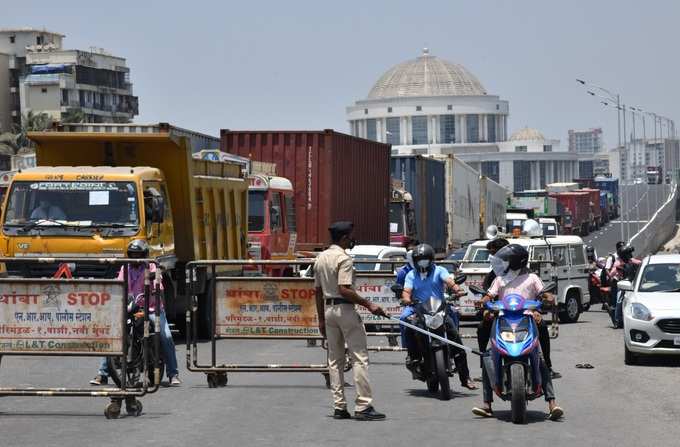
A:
342	227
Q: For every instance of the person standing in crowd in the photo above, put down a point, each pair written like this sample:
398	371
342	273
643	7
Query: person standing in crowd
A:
341	325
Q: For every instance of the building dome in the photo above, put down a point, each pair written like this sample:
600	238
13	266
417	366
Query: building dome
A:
426	75
527	134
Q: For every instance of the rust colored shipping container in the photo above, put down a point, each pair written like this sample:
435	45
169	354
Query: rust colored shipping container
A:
335	177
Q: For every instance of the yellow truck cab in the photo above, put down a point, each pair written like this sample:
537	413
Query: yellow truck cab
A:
99	186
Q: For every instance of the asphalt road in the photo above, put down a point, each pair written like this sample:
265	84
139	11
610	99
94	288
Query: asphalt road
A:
611	404
641	201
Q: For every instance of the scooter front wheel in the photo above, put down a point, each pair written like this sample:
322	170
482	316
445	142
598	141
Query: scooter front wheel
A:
442	375
519	394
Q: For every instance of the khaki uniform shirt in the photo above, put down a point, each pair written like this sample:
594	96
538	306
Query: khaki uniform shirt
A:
333	268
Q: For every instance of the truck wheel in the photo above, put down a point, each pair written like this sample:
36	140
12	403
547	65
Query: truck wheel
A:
519	394
571	310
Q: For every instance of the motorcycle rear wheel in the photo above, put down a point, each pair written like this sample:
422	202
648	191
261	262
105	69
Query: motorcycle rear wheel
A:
519	394
442	375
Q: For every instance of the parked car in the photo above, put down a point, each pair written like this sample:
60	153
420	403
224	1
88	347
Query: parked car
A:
651	309
377	253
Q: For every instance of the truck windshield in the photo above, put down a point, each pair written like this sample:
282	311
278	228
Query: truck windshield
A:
72	203
396	218
255	210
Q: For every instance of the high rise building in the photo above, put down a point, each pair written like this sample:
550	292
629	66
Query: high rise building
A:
95	83
15	44
585	141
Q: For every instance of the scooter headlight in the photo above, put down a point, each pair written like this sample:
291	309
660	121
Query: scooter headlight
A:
434	321
514	337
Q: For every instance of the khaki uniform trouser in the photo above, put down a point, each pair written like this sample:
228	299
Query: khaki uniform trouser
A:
344	326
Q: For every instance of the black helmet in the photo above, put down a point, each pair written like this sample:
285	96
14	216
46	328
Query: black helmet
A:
423	258
138	249
515	255
626	253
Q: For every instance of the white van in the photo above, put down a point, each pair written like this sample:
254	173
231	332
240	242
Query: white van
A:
569	269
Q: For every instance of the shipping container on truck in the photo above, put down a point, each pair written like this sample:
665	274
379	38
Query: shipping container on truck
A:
116	183
585	183
611	185
425	179
537	199
402	216
574	207
595	209
334	176
463	199
493	206
605	206
561	187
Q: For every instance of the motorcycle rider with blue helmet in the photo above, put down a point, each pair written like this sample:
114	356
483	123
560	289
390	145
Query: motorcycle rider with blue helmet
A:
425	281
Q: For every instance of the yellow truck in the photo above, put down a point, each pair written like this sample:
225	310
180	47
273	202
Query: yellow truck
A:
97	187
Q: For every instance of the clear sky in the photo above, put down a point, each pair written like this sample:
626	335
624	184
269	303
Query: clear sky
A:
298	64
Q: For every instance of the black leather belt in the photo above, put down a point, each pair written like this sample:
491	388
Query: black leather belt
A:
333	301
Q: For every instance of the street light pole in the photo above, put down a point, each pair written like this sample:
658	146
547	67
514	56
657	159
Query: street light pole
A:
628	169
621	194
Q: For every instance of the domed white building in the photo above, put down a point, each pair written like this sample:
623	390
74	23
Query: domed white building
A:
429	101
431	106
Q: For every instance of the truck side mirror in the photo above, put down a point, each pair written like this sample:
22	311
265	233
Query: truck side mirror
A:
157	209
275	217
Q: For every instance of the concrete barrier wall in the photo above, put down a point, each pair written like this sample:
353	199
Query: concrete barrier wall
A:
659	229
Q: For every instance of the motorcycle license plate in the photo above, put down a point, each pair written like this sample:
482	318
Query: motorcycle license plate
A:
676	340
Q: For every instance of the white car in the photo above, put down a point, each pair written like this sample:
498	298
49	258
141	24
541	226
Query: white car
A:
651	308
376	253
561	259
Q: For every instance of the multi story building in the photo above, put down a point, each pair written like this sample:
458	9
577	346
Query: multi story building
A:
431	106
585	141
15	43
93	82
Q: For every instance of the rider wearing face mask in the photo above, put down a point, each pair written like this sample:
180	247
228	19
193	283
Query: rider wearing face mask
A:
513	276
425	281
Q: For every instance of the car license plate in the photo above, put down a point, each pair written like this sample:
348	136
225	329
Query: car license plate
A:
676	340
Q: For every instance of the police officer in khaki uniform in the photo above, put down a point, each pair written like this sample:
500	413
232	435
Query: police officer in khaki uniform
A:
340	323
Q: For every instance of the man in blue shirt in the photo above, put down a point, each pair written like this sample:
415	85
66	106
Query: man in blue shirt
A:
424	281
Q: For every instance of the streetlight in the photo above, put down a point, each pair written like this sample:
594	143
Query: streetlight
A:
644	139
617	99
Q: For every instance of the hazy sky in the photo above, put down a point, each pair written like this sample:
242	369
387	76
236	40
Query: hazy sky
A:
298	64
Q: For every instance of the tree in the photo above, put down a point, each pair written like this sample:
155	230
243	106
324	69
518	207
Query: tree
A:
31	122
73	116
9	143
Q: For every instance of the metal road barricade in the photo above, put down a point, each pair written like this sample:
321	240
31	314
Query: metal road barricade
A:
250	308
76	317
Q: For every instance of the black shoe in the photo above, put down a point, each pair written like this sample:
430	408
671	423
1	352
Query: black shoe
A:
554	374
369	414
341	414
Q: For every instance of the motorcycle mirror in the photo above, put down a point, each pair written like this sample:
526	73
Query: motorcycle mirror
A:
477	290
460	279
397	288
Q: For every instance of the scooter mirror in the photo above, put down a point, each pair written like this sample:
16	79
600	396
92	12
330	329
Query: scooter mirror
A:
460	279
397	288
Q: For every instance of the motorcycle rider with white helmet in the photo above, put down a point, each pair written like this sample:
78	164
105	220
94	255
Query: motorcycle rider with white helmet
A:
513	276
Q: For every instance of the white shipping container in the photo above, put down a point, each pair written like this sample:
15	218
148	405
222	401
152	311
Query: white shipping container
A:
542	206
493	206
463	198
561	187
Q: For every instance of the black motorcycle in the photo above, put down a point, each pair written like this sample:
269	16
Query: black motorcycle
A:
135	355
432	361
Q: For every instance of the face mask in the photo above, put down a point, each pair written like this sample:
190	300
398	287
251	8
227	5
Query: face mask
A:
424	265
498	266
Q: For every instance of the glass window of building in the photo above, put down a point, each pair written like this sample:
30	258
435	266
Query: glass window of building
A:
556	171
392	128
491	170
419	108
547	148
543	168
447	129
520	148
472	127
585	169
419	129
521	175
491	128
371	129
